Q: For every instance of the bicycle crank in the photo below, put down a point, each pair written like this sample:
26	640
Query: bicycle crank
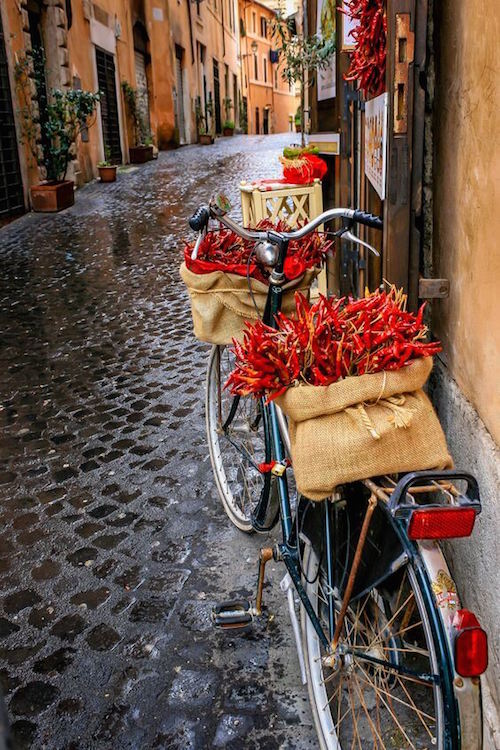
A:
238	614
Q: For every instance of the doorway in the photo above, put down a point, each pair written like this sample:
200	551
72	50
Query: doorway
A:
218	121
11	185
257	121
179	100
109	105
141	60
265	122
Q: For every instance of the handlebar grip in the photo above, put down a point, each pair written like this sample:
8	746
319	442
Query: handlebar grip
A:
199	219
369	220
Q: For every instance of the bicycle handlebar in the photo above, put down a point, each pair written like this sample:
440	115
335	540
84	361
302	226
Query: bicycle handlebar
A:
199	221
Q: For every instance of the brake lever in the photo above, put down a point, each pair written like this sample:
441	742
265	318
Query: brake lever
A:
346	234
196	247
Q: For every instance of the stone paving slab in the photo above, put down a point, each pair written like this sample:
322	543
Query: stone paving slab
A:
113	545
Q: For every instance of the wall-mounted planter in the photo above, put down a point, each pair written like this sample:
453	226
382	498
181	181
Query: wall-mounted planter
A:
108	173
140	154
50	197
205	139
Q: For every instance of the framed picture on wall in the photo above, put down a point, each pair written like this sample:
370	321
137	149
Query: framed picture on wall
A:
326	27
348	26
376	142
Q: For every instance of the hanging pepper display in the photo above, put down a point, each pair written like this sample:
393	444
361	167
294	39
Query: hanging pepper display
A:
224	250
368	59
328	341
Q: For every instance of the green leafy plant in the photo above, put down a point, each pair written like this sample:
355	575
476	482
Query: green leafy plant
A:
243	115
53	121
107	160
228	105
302	57
142	135
228	124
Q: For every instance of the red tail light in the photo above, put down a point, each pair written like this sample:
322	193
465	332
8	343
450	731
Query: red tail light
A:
441	523
471	645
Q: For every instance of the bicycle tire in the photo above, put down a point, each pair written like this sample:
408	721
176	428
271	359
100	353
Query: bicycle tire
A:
387	708
239	484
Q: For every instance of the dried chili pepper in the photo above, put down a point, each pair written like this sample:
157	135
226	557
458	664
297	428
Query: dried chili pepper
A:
327	341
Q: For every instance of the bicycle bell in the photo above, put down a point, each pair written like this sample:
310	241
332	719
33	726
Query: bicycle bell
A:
267	253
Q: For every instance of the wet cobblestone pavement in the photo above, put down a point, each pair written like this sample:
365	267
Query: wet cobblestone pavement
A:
113	545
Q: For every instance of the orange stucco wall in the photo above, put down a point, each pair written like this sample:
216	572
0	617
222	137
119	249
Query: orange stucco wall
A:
467	199
273	94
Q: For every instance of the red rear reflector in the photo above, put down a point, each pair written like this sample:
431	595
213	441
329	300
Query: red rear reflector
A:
471	645
441	523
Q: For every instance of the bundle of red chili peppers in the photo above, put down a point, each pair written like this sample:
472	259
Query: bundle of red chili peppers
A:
369	56
329	340
224	250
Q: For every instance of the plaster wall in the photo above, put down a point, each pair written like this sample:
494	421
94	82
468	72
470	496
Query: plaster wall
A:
466	198
475	561
273	94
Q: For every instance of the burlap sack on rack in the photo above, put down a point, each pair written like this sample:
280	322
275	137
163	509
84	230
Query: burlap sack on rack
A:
221	302
362	427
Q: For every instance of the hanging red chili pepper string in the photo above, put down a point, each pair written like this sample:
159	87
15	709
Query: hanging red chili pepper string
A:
368	59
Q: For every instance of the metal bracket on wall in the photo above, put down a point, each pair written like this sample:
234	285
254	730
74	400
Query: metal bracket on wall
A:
433	288
404	55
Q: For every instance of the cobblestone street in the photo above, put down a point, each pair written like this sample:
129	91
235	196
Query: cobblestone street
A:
113	544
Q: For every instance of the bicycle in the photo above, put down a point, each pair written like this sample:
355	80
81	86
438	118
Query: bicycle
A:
389	657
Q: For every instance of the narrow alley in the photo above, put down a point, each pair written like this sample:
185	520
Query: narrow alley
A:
113	545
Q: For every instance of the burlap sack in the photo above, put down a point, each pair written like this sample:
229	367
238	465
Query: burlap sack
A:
221	302
362	427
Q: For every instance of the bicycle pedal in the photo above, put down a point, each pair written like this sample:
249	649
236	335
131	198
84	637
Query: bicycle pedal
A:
235	614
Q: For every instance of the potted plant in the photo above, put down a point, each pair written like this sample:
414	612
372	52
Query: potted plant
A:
228	125
107	171
142	150
205	138
301	55
51	127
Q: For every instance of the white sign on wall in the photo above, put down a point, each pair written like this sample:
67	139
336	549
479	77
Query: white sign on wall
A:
348	26
376	142
325	29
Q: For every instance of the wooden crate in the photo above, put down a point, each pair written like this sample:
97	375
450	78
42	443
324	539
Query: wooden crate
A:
294	203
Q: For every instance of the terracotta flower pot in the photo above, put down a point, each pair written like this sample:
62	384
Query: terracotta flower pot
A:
140	154
228	131
205	139
297	127
52	196
108	173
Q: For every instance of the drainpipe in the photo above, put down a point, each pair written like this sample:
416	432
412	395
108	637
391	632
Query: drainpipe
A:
190	30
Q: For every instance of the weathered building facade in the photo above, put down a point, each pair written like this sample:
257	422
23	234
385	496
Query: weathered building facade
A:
438	162
182	59
95	47
270	101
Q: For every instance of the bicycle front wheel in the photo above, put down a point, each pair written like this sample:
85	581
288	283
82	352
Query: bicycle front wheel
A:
386	687
238	442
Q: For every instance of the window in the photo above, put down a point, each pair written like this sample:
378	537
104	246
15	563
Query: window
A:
264	68
263	26
256	67
254	23
242	28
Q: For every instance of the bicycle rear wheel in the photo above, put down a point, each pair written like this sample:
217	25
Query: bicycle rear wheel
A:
388	687
238	442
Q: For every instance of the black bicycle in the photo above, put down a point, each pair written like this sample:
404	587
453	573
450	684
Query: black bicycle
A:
390	658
